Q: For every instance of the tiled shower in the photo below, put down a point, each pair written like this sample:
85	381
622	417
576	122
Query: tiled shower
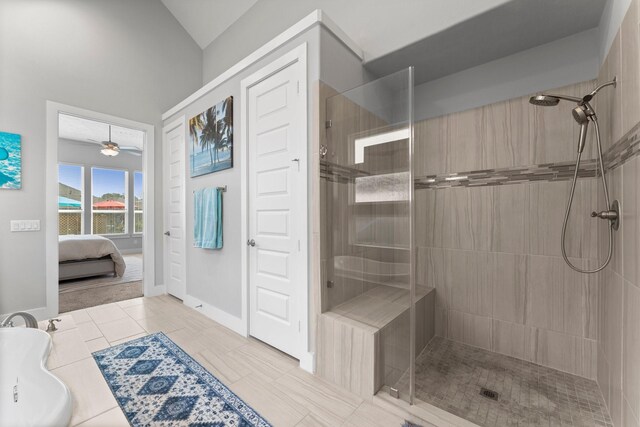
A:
441	261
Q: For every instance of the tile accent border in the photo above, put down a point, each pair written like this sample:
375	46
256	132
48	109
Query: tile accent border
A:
516	175
626	148
620	152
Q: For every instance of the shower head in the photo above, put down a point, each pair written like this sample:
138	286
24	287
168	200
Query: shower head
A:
551	100
581	114
544	100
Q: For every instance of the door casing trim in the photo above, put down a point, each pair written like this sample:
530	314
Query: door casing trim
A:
51	198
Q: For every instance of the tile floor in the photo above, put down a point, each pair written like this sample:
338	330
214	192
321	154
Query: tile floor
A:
449	375
268	380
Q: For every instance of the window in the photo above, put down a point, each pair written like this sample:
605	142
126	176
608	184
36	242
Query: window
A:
138	202
108	201
70	200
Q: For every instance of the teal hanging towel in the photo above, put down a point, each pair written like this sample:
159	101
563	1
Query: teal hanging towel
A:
207	225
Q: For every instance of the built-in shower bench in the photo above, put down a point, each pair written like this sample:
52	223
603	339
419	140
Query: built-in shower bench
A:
363	343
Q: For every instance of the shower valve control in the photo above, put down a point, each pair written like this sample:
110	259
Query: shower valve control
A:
610	215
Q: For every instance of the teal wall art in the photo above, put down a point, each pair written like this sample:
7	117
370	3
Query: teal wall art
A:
10	161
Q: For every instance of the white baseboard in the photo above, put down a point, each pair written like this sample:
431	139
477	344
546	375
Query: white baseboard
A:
308	362
234	323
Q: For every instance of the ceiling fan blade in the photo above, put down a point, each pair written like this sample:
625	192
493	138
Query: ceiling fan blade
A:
129	148
133	153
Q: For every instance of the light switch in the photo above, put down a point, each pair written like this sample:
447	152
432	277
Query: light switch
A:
25	225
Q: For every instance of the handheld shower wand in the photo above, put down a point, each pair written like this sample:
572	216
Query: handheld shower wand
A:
583	114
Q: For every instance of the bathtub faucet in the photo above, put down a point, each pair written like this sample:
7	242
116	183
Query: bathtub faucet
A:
29	320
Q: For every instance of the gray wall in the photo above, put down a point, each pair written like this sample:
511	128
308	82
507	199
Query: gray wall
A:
562	62
130	59
88	155
379	26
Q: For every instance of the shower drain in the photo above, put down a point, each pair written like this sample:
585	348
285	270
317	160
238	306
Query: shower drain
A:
489	394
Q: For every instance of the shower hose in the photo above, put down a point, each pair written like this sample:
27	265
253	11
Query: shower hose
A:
606	198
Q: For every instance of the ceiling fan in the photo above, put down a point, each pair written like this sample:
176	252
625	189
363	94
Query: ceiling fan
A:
112	149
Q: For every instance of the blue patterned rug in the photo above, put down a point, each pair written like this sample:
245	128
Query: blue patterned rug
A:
157	384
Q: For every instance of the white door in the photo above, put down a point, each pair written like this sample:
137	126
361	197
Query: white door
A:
174	206
275	180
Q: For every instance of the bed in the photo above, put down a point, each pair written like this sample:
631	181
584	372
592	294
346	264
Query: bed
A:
87	256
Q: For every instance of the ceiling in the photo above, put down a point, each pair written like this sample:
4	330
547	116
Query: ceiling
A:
437	37
507	29
93	132
205	20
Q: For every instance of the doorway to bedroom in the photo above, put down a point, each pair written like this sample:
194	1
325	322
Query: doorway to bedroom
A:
101	212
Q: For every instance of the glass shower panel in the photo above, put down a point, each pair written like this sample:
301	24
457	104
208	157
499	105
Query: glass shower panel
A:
367	177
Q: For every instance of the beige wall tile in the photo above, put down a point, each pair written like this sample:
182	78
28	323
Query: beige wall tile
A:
629	88
508	338
631	346
604	382
467	147
628	416
612	340
615	407
580	301
614	69
437	218
469	279
431	272
326	355
471	218
631	220
548	202
567	353
507	133
470	329
545	293
441	322
614	181
431	146
510	287
602	103
510	219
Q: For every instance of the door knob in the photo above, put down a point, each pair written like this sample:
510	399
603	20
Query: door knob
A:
167	233
251	242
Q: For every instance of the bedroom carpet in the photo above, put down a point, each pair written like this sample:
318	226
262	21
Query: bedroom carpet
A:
84	293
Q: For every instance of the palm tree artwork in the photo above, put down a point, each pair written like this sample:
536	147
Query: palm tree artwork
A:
211	138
